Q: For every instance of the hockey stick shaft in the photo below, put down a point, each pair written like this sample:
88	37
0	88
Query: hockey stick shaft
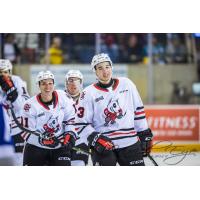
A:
152	160
81	150
76	124
20	125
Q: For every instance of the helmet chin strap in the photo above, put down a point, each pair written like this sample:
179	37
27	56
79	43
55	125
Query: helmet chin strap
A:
79	86
75	95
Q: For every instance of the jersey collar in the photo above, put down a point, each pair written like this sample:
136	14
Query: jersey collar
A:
38	97
116	83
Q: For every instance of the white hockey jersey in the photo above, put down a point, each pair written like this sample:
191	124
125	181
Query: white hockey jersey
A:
82	138
116	112
17	104
41	118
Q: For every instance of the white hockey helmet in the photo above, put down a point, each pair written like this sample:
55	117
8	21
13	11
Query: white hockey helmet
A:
99	58
44	75
74	73
5	65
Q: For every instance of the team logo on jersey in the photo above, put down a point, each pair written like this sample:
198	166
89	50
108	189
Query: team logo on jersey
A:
82	95
27	107
99	99
113	112
52	125
41	114
123	91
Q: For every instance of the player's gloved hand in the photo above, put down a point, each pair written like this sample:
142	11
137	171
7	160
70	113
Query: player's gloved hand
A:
145	139
48	140
7	86
68	140
100	143
12	94
6	83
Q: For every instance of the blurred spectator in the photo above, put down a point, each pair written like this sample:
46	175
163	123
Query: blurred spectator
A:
84	53
11	50
55	53
84	47
68	44
29	45
134	50
110	47
176	51
158	51
79	47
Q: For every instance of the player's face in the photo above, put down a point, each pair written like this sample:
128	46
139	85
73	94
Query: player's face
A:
4	73
73	85
104	72
46	86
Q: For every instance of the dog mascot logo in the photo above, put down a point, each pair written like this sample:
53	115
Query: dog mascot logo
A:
52	125
113	112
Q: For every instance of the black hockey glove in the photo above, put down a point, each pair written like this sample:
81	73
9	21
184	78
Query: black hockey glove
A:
48	140
7	86
6	83
100	143
12	94
68	140
145	139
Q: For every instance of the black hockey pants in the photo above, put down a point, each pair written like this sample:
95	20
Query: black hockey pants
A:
36	156
127	156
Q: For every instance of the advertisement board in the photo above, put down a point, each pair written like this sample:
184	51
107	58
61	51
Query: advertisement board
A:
175	123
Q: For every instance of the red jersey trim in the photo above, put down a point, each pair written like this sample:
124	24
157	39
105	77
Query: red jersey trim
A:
121	133
99	88
139	113
56	101
43	105
116	83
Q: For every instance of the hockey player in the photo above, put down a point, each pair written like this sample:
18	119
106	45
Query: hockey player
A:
13	93
74	86
45	114
6	145
119	132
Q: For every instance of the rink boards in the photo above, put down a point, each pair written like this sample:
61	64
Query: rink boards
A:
175	127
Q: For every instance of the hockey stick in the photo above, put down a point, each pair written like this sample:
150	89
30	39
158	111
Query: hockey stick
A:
38	134
82	150
152	160
20	126
76	124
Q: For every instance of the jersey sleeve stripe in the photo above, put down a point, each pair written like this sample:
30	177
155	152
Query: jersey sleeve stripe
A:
122	133
139	113
140	108
138	118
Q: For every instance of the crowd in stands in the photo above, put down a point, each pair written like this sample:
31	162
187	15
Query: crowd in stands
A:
23	48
